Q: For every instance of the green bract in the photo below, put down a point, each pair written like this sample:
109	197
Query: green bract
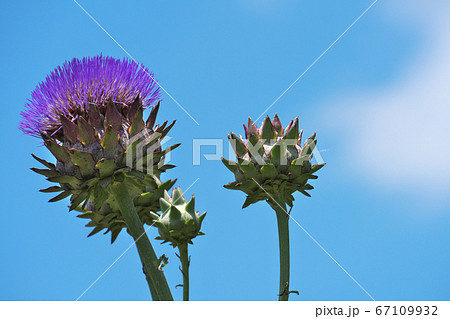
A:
179	223
271	162
103	145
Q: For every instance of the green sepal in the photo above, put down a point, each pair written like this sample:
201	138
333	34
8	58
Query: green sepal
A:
276	123
249	170
113	116
105	167
87	215
45	172
292	134
233	185
238	145
61	196
115	231
164	204
44	162
268	171
70	129
304	192
231	165
52	189
316	167
78	199
309	145
84	161
133	108
152	117
86	132
267	130
138	123
60	152
66	179
96	230
110	142
190	207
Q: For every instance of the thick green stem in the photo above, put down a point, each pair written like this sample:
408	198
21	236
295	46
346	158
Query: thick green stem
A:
185	269
283	234
155	277
153	292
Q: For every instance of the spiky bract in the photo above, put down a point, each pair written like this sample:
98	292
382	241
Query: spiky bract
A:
103	146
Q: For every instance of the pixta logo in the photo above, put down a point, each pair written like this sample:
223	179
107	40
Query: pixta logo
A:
146	152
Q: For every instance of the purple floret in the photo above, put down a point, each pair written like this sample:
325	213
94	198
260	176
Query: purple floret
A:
94	80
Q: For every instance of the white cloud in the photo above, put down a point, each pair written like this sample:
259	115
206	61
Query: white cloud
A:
400	134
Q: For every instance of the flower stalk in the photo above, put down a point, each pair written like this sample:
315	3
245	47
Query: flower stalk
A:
184	257
283	237
155	277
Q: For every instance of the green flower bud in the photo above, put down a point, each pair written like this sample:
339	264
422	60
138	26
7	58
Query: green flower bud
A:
272	161
179	222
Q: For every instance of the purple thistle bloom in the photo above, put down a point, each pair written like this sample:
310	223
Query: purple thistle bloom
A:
94	80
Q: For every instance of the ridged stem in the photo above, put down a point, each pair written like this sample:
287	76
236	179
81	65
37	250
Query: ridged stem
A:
155	277
185	269
283	235
151	286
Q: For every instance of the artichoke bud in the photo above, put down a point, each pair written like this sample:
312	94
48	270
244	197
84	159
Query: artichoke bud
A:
102	145
179	223
271	161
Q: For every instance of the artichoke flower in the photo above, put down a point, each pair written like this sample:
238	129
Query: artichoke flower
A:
272	161
89	114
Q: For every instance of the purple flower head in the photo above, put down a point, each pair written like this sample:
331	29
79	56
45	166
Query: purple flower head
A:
93	80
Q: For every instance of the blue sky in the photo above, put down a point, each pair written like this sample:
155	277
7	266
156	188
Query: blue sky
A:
378	99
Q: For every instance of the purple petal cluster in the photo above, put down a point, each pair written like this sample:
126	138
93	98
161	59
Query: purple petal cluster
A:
92	80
